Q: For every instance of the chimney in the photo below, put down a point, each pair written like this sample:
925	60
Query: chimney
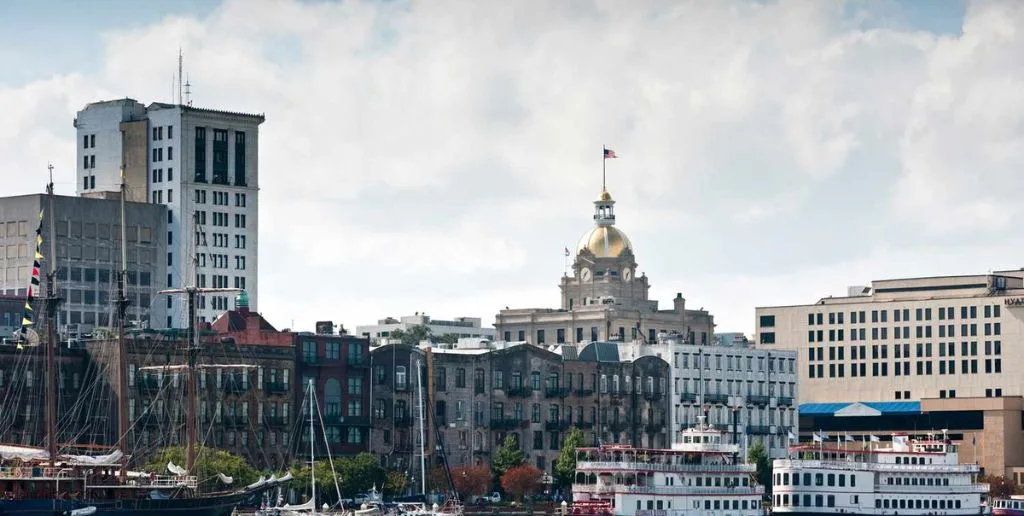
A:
679	303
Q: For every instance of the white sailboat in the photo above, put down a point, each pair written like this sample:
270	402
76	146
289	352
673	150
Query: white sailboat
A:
309	508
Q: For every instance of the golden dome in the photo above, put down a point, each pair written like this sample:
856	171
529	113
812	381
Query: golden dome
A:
605	196
604	242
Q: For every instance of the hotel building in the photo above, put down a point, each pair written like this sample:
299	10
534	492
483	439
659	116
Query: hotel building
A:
892	356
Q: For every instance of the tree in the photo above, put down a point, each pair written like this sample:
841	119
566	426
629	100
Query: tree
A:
326	491
412	336
757	455
395	483
472	480
999	487
507	457
447	338
437	479
521	481
565	464
360	473
209	462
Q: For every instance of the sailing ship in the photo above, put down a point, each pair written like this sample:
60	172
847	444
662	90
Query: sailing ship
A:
41	481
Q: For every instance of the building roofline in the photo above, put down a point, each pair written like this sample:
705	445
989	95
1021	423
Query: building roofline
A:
261	117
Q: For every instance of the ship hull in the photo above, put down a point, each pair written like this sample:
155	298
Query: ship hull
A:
206	506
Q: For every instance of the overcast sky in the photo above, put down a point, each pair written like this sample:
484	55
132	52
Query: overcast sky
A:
438	156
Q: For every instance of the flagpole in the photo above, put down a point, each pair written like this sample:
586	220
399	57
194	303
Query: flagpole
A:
604	167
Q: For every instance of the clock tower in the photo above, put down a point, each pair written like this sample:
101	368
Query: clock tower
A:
604	270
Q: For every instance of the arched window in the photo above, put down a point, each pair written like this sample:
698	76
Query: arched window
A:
332	397
615	383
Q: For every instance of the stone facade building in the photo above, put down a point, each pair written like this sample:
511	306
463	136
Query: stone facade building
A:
481	395
605	298
394	401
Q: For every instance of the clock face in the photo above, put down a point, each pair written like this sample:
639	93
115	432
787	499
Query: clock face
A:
585	274
627	274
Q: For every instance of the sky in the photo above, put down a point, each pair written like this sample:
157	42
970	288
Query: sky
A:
438	156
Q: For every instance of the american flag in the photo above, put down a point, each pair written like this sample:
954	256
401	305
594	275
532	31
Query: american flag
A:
608	153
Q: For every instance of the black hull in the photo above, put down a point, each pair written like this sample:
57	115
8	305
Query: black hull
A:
222	505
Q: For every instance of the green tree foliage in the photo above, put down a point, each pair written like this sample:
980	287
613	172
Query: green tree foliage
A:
565	464
209	462
507	457
395	483
759	456
413	336
356	475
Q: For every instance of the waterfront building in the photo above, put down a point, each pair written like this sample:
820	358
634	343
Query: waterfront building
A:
454	329
88	243
605	298
201	165
911	355
338	367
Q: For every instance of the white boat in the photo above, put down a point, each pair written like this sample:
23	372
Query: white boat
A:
907	477
699	475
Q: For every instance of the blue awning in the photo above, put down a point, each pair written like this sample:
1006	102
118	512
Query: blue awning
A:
865	408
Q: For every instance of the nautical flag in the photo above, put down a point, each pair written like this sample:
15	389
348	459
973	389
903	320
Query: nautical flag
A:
848	438
875	439
792	436
817	438
608	153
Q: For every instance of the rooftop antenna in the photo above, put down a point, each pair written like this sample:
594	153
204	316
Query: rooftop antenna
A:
188	92
179	76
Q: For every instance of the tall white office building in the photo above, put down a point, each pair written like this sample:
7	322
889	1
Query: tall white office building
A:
202	164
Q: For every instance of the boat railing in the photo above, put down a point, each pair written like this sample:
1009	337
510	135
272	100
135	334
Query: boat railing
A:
151	481
666	490
876	466
30	473
705	447
647	466
958	488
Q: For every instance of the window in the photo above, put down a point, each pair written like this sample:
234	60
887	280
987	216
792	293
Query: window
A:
220	156
767	321
355	385
460	378
240	159
400	378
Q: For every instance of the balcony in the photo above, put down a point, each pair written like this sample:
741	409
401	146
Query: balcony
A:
618	426
277	421
506	423
688	397
233	387
758	399
721	427
584	425
519	392
555	392
583	393
654	427
275	387
652	396
557	425
338	419
719	399
785	401
403	421
311	361
149	384
237	421
357	362
758	430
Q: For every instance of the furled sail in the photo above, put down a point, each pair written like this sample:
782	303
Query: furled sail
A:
177	470
224	478
89	460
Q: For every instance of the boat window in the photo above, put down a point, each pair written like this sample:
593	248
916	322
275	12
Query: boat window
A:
831	479
853	480
818	500
819	479
796	479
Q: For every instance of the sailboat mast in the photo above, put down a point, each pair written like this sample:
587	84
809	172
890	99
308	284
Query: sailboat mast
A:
190	381
122	347
312	461
423	440
51	331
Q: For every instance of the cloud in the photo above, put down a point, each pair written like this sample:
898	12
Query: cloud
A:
445	152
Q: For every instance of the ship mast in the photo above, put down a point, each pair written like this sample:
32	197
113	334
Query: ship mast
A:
52	301
122	367
192	349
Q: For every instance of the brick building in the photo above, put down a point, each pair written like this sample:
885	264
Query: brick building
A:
338	366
